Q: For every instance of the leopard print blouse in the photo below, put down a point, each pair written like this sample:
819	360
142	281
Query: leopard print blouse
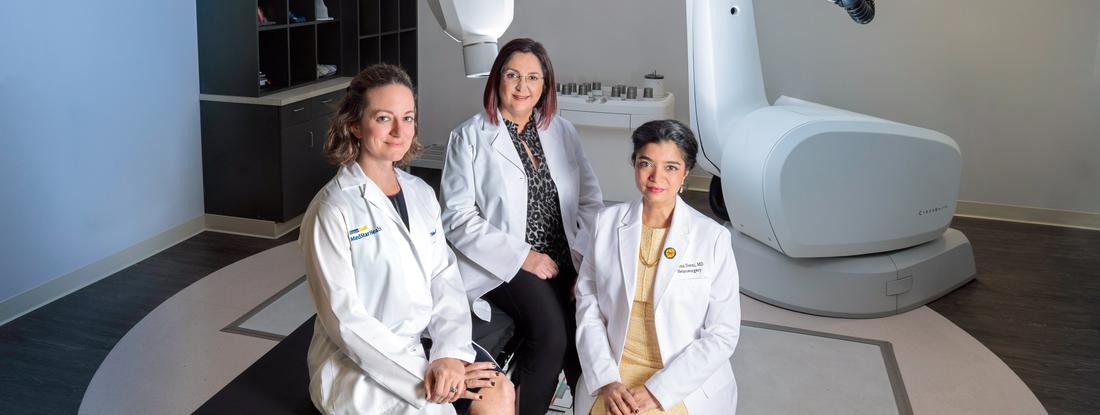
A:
545	232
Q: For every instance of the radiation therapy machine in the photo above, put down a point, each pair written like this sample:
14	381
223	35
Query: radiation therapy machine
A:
832	212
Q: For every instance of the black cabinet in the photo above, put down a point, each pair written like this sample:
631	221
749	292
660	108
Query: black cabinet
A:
264	161
304	168
387	33
263	136
242	55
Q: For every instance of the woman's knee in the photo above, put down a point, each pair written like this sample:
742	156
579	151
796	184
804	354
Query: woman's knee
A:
497	400
550	341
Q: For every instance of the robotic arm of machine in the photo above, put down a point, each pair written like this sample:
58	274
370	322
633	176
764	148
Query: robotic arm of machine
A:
835	213
477	24
862	11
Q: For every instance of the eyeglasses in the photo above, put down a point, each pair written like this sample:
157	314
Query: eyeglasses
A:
513	77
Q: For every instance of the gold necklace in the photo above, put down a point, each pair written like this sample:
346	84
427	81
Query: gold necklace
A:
645	245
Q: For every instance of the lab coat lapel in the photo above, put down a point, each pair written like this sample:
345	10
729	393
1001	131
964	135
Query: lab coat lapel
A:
630	235
676	243
502	141
415	232
554	151
379	202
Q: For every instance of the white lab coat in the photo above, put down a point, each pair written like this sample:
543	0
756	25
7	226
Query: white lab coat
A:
484	194
377	286
697	311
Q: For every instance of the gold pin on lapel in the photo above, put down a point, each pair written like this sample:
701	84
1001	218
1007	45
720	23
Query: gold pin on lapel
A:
670	253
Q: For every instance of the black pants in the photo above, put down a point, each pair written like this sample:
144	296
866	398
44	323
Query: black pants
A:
545	316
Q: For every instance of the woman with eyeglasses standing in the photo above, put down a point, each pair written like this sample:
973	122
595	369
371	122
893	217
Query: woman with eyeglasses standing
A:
518	195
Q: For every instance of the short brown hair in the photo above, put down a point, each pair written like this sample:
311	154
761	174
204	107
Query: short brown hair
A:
548	102
342	146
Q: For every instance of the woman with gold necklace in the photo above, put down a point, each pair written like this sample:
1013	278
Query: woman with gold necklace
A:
658	312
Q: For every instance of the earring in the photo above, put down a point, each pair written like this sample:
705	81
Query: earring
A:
682	186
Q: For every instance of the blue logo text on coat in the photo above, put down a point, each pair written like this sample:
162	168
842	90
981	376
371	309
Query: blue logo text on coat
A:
362	232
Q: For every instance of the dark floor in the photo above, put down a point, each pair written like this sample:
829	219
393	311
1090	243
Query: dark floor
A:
48	356
1035	303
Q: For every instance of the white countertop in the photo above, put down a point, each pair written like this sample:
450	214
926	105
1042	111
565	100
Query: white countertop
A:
286	97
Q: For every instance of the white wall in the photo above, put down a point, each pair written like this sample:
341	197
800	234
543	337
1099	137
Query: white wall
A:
1015	83
99	126
615	41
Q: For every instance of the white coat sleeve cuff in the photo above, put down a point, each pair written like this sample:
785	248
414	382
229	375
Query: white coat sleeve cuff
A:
482	309
518	265
662	394
467	356
603	379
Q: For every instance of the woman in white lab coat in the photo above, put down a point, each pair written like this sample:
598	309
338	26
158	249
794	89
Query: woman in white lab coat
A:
658	313
381	273
516	190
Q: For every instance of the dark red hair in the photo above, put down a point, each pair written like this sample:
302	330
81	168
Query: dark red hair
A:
548	102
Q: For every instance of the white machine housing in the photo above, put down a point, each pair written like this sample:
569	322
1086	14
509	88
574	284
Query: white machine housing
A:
813	181
848	214
861	286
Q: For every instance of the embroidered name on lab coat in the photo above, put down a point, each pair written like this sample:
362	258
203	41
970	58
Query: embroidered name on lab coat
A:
362	232
690	268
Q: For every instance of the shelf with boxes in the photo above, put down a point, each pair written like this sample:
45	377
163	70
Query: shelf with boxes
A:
387	33
254	48
270	71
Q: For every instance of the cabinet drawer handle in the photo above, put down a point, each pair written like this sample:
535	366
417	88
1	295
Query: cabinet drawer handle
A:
298	109
311	139
327	101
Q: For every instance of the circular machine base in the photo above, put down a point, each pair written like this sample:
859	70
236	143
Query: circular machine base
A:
864	286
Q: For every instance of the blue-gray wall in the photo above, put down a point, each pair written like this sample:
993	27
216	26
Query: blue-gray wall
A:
99	132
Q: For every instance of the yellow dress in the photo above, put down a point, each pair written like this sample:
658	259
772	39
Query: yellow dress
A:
641	353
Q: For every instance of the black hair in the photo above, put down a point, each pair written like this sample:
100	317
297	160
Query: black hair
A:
660	131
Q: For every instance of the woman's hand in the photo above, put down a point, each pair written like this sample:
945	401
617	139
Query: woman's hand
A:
541	265
617	399
479	375
445	380
644	398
